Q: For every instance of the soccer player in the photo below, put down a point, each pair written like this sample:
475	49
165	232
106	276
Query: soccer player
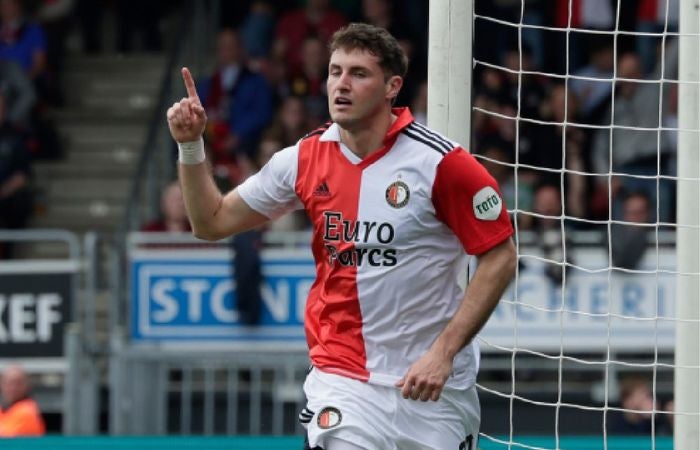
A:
396	210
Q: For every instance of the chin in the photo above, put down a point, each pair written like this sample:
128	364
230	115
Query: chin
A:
342	119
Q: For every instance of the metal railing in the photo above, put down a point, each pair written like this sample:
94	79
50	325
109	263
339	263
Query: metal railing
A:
206	392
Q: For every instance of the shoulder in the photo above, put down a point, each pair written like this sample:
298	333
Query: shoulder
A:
24	407
458	162
428	139
315	135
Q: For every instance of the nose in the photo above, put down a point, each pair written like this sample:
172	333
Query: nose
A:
343	83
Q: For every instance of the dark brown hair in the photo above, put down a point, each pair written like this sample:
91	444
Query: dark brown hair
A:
376	41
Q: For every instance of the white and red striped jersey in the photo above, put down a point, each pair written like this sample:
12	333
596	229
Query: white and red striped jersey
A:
391	235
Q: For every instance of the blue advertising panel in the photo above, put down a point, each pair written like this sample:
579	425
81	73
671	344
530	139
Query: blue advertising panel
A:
191	296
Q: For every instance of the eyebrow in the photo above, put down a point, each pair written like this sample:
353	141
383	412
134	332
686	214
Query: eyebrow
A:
332	65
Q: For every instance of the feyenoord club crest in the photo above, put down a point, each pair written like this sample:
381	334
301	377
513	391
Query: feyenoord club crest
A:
329	417
397	194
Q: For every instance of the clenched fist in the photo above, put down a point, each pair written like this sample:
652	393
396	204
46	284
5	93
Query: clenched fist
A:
186	118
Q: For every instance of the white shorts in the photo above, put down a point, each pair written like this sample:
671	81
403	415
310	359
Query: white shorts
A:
378	418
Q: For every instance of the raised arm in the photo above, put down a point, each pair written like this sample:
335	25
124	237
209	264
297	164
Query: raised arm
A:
212	215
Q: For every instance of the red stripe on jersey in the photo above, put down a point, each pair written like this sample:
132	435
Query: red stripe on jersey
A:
329	186
458	179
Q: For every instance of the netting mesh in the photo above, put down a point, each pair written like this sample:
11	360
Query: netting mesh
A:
575	113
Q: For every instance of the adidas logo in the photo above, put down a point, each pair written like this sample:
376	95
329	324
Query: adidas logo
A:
322	190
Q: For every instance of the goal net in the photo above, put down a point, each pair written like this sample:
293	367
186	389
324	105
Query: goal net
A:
575	111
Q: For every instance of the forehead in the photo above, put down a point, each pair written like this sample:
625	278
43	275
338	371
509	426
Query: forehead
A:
354	57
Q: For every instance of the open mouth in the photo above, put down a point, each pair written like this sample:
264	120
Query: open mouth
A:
342	101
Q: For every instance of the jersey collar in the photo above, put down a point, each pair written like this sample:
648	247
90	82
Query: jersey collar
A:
403	119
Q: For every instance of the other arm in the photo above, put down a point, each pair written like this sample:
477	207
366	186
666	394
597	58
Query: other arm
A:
473	208
427	376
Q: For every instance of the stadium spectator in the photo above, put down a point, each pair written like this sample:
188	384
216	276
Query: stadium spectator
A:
317	19
547	224
247	274
24	42
238	102
498	162
629	242
16	199
529	90
18	93
637	148
310	82
56	18
173	216
269	145
19	413
639	406
257	30
490	96
291	122
594	94
381	13
652	17
579	14
556	146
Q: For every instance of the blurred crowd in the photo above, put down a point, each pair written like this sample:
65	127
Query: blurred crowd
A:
588	148
266	89
27	88
560	86
33	47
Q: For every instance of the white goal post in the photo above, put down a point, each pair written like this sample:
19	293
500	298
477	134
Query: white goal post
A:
450	65
687	379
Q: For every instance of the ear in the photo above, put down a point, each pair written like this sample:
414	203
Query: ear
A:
393	86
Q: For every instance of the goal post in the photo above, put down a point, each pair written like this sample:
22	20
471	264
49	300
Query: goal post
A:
450	67
687	373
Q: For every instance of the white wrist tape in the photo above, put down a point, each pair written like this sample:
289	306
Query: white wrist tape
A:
191	152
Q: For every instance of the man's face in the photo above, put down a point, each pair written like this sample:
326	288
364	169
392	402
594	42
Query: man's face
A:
357	90
228	48
13	385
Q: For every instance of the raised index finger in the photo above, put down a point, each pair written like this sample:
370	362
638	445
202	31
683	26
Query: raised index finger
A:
189	84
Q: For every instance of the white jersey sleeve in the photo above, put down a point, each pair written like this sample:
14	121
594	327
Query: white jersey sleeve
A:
271	191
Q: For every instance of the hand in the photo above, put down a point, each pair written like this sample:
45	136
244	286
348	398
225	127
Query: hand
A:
186	118
426	377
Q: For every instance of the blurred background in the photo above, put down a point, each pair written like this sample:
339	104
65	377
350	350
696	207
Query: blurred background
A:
111	328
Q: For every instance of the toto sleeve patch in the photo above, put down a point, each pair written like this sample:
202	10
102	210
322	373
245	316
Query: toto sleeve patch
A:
487	204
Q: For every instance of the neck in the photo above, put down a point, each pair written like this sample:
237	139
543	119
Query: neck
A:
365	139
